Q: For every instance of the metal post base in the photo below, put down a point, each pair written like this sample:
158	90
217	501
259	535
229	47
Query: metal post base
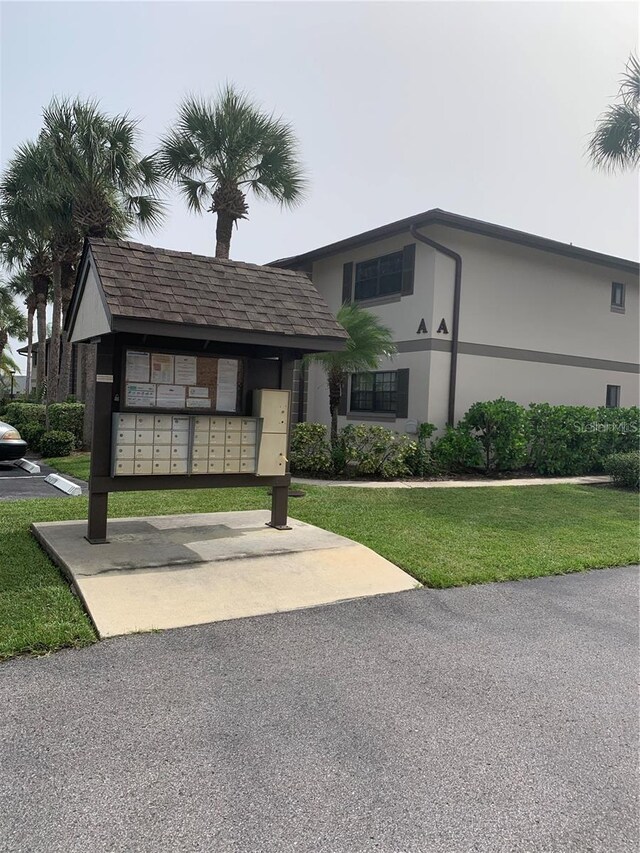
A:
97	541
278	526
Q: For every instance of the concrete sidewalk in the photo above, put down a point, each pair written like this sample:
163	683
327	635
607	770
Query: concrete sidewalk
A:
455	484
178	570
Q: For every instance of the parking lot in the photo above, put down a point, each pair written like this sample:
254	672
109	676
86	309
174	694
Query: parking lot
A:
18	484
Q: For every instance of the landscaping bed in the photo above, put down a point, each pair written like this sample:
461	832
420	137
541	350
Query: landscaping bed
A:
443	537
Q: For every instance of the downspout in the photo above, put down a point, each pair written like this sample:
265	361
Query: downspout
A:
455	325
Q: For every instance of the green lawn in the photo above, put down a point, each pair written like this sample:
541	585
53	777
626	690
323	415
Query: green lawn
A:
443	537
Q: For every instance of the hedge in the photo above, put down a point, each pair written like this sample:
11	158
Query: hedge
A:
624	469
30	419
57	442
499	435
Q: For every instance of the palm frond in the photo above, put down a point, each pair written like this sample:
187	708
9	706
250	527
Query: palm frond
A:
615	143
369	342
231	142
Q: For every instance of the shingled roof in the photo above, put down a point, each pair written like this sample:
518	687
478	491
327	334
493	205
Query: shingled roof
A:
149	284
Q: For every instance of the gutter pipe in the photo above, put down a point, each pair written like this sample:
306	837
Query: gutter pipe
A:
457	289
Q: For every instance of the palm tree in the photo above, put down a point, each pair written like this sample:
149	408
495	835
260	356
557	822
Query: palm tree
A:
24	248
615	143
12	321
83	177
7	368
369	341
220	151
103	187
20	285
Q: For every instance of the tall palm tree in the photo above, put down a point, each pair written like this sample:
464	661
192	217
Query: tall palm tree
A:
24	248
20	285
219	151
27	195
615	143
83	177
103	187
12	321
369	341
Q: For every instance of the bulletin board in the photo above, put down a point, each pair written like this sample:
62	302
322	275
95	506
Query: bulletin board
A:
180	382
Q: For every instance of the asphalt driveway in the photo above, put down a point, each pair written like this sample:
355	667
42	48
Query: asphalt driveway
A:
492	718
17	484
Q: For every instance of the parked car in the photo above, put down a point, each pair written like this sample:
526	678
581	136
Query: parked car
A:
11	445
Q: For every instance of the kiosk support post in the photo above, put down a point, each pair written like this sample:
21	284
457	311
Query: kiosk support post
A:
101	441
280	494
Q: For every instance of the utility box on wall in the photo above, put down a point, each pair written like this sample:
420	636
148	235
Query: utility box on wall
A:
194	369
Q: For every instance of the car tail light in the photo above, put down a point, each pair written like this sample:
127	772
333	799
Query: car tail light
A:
10	435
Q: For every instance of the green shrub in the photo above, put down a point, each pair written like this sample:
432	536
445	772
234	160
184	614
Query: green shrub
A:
21	414
624	469
563	439
68	417
310	452
32	434
571	440
502	429
57	442
456	451
421	462
375	451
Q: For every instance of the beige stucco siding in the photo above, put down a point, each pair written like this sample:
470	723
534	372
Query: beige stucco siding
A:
526	383
513	296
537	306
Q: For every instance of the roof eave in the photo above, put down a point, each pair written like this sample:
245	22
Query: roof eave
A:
436	216
302	343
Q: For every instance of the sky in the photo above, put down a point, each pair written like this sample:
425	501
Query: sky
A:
481	108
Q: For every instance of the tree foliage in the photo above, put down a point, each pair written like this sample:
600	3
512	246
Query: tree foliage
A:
221	150
615	143
369	341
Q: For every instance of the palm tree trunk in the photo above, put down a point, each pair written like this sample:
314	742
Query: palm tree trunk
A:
54	346
31	307
64	378
4	340
90	361
41	289
224	228
335	395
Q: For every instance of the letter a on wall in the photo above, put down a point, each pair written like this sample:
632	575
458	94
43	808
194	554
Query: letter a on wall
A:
422	328
442	328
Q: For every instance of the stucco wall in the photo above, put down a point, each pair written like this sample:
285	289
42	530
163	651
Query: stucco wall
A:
526	383
513	297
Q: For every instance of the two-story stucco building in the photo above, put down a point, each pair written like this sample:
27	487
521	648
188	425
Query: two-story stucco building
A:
478	311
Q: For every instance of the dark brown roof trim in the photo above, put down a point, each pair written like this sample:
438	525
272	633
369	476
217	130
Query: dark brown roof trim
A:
227	335
462	223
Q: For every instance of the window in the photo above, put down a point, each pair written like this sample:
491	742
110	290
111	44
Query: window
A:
374	392
379	277
613	396
617	296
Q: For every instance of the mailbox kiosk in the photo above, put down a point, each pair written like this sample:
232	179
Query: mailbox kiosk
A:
194	369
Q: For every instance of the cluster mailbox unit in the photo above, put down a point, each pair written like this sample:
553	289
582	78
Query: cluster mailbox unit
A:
194	369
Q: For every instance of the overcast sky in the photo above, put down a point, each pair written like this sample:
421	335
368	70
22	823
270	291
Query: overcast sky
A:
480	108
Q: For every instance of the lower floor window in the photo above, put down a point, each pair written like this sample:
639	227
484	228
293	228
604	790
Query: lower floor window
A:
613	396
374	392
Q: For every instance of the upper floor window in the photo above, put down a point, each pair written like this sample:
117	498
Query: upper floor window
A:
378	277
617	296
613	396
374	392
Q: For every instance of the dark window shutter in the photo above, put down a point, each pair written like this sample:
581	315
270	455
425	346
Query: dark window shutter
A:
347	280
402	393
342	408
408	266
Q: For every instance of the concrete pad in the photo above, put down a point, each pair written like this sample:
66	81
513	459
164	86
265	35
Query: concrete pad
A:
173	571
